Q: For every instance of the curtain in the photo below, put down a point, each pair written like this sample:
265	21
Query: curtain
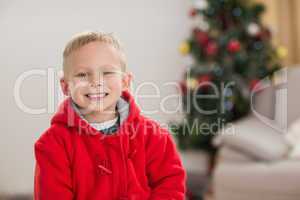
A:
283	18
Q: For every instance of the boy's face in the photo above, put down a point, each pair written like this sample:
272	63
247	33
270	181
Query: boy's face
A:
94	78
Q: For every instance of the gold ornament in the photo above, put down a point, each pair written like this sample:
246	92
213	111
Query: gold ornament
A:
191	83
214	33
282	52
184	48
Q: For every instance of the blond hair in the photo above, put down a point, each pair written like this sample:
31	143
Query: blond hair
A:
83	38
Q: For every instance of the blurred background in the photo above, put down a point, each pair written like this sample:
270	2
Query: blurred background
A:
193	43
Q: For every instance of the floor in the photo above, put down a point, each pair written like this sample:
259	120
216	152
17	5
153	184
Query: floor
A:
18	197
208	197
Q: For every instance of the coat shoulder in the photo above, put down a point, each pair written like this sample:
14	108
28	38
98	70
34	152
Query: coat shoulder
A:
55	135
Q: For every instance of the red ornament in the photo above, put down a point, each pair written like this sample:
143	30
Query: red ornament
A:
265	34
183	87
234	46
201	37
254	85
212	48
204	80
193	12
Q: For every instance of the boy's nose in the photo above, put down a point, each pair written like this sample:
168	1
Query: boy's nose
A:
95	84
96	80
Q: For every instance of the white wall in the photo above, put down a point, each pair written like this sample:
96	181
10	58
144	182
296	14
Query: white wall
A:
33	34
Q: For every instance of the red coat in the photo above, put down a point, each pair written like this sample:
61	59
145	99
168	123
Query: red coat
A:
75	161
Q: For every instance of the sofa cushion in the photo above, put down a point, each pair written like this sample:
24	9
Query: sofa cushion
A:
227	154
293	137
253	138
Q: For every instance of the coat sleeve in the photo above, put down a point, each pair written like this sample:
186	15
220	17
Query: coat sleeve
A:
52	169
165	172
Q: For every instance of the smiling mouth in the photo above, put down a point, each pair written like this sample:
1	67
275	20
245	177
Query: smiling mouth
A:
96	96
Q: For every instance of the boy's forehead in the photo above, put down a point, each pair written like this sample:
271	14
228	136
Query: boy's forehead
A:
96	50
96	67
97	46
95	54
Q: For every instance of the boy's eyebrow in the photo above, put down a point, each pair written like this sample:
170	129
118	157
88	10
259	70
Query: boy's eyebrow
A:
101	68
80	70
109	67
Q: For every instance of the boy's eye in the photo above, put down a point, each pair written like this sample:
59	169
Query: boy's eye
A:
108	73
81	75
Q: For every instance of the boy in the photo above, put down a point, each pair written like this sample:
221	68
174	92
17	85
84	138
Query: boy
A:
99	146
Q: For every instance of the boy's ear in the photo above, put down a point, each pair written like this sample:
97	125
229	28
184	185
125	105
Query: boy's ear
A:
64	86
126	81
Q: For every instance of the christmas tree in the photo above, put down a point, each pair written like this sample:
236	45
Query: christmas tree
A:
229	52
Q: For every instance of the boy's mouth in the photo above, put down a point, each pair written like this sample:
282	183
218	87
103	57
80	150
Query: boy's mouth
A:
96	96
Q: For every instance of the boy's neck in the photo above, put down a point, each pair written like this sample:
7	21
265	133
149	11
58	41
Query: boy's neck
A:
99	117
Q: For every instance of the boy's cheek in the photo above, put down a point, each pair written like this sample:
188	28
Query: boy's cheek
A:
117	86
76	90
76	84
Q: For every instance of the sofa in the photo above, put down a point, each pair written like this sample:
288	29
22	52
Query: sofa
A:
253	161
